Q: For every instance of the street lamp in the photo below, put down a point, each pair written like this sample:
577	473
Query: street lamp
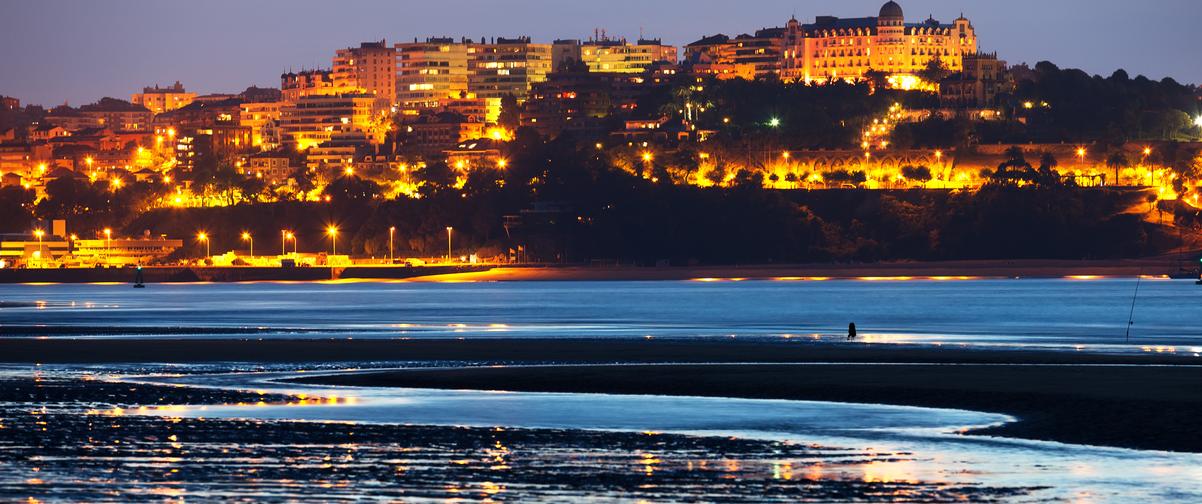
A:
449	230
1081	155
202	236
391	235
246	236
292	236
39	233
283	242
332	231
108	242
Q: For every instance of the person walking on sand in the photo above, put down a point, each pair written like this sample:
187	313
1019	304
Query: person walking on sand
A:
851	331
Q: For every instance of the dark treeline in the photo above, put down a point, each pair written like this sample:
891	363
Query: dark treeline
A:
572	206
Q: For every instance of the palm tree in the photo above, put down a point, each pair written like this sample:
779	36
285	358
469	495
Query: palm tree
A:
1047	169
1116	160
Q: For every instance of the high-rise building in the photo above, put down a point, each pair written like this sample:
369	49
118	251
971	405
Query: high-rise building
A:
165	99
507	67
429	73
370	68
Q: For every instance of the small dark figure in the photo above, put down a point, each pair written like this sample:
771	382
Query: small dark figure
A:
851	331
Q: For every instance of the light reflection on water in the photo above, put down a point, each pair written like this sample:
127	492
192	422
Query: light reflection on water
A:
1066	314
887	444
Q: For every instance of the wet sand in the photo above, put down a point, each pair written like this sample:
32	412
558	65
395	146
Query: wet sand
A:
67	350
79	441
1147	401
1144	407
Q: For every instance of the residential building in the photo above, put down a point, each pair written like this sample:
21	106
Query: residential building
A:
507	67
166	99
296	85
370	69
262	118
313	120
619	56
430	72
118	115
436	132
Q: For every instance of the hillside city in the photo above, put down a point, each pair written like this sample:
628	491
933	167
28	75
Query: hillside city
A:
862	139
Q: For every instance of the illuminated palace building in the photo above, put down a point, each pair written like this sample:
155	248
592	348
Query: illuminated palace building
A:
835	48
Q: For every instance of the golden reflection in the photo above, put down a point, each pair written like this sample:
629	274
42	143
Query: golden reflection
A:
879	471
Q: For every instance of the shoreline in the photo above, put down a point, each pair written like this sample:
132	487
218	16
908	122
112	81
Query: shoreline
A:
935	270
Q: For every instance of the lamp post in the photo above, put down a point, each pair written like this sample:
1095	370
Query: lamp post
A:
292	236
108	242
201	236
39	233
246	236
332	231
449	230
391	236
283	242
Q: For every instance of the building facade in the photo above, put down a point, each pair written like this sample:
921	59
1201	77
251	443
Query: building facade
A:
370	68
507	67
314	120
430	72
833	48
166	99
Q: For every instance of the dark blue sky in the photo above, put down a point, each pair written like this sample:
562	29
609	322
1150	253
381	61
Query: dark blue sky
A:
80	50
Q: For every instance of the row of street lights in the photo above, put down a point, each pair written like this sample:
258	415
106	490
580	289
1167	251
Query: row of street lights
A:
286	235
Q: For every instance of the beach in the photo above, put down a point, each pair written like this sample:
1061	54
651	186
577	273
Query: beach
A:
1145	401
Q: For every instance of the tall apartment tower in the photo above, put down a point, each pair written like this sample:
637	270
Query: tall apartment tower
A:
370	68
507	67
429	73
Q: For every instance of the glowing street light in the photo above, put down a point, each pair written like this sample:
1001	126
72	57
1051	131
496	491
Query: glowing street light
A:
204	237
1198	121
108	241
449	230
1080	154
647	157
39	233
247	237
774	122
785	155
332	232
391	236
502	163
283	242
292	236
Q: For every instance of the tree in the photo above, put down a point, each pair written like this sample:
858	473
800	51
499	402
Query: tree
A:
16	205
934	72
1116	160
511	113
920	174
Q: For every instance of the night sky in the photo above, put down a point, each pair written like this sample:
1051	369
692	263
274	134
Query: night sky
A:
80	50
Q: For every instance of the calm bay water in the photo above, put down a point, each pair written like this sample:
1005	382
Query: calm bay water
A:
1031	313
